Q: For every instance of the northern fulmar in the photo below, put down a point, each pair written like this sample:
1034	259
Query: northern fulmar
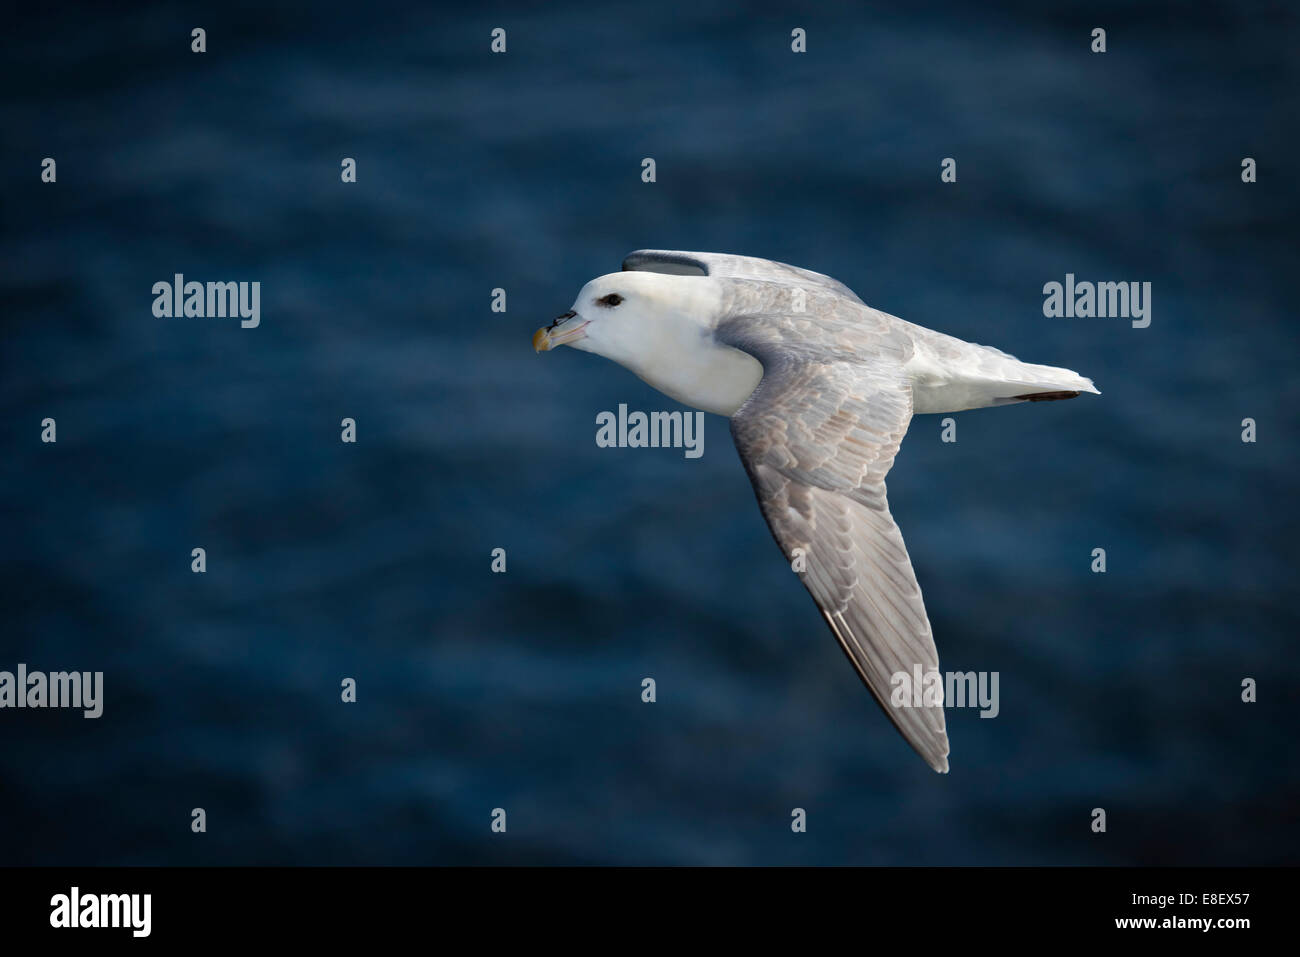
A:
819	388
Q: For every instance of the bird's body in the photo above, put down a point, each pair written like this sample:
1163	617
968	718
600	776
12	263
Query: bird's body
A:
820	388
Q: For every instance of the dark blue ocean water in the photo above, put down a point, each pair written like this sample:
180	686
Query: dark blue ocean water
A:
522	690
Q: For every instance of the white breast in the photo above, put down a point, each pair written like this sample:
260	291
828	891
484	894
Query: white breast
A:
702	374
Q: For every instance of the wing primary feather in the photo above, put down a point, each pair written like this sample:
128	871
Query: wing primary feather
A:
817	439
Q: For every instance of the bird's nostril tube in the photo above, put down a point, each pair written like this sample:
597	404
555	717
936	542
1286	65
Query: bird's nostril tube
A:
559	319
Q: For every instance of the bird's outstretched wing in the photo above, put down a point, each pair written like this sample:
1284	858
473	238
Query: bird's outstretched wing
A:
722	265
817	438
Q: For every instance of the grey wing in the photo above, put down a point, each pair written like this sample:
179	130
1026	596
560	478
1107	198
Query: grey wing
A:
817	439
682	263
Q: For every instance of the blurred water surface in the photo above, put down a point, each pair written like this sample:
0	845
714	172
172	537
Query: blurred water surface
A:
522	690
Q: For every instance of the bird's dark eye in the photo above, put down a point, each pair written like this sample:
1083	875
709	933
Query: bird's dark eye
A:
613	299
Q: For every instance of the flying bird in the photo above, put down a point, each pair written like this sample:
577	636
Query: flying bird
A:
819	388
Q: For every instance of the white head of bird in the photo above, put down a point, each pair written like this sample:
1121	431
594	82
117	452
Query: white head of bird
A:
660	327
